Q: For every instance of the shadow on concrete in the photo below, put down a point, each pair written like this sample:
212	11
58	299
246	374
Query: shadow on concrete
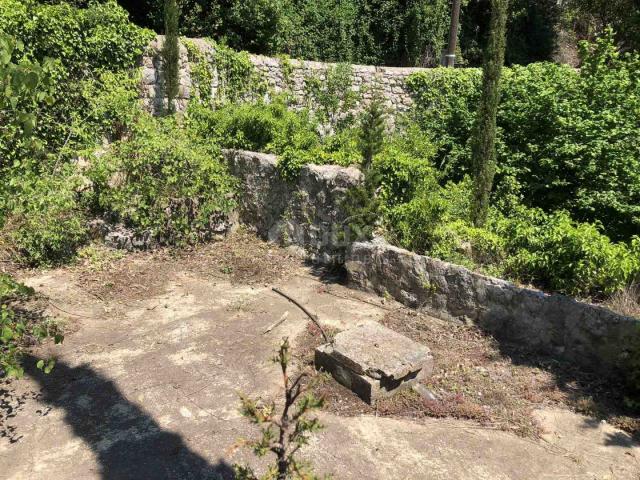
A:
127	442
599	397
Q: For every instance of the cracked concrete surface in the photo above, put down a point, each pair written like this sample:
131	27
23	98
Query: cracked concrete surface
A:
149	389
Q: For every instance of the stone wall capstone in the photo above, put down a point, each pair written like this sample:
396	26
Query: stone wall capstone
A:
281	76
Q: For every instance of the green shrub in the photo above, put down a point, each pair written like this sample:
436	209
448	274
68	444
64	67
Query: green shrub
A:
417	224
258	126
164	181
388	32
97	37
371	131
25	88
274	128
113	107
83	43
45	223
567	139
401	170
18	331
331	97
555	252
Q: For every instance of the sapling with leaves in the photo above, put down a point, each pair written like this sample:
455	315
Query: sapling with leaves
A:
284	430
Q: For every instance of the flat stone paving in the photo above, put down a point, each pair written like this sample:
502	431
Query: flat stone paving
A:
148	389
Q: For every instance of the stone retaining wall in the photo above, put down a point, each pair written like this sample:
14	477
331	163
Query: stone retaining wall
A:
588	335
307	214
389	81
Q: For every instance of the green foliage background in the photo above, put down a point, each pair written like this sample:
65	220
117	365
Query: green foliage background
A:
566	139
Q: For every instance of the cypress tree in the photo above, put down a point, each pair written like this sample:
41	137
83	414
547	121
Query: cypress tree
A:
484	138
171	52
372	129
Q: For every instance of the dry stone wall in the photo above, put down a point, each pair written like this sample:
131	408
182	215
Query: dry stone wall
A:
281	75
304	213
290	75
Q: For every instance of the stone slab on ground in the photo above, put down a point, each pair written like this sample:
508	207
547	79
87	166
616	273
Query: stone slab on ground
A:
374	361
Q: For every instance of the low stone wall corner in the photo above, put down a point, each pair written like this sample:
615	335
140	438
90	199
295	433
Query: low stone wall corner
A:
589	335
306	212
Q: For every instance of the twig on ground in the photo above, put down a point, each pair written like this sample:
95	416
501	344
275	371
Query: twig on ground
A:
313	318
282	319
68	313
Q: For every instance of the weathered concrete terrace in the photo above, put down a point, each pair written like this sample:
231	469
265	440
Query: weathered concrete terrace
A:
159	346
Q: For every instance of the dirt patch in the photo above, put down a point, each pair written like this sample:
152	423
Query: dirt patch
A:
241	259
475	379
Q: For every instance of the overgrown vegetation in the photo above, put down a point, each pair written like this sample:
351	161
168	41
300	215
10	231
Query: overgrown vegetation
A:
394	32
20	329
566	139
163	180
75	144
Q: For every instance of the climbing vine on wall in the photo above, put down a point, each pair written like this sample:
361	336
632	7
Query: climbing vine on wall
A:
238	77
202	73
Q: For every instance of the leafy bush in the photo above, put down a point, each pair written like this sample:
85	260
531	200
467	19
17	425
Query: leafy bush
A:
83	43
18	331
554	251
566	139
45	223
113	107
258	126
25	88
548	250
273	128
238	78
332	97
417	224
38	212
164	181
404	164
97	37
85	91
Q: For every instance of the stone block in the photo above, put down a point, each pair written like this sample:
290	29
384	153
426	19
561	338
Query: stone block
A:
374	361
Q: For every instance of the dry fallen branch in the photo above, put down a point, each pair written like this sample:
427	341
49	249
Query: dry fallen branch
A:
313	318
282	319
